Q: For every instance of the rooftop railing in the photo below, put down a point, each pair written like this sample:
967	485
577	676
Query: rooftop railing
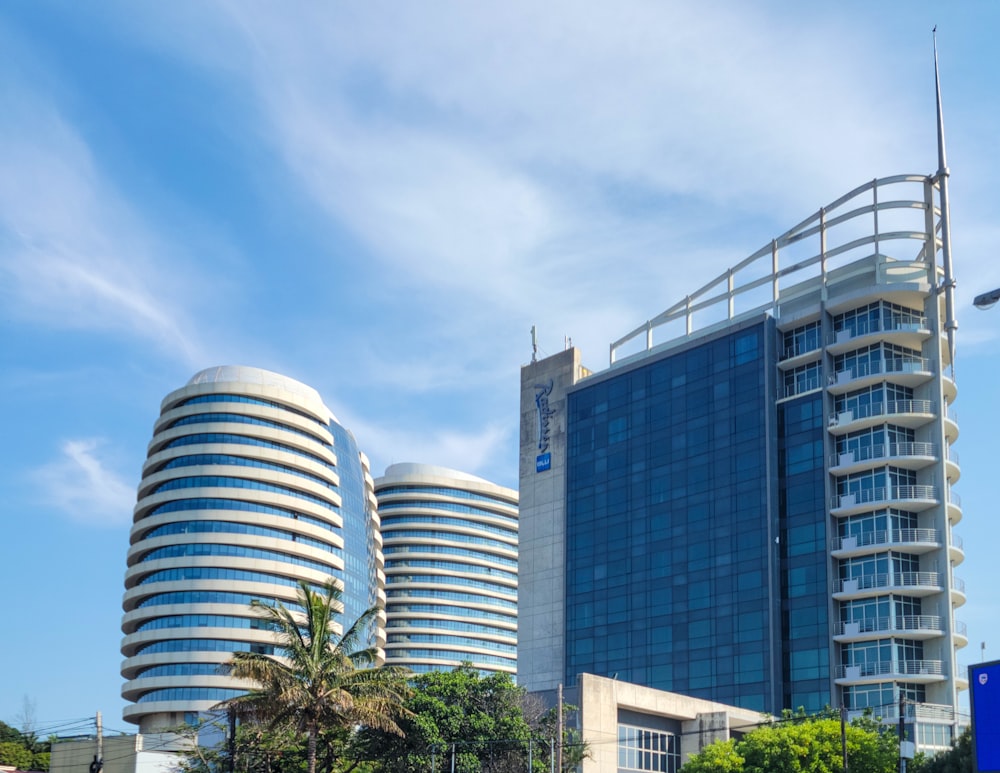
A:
828	248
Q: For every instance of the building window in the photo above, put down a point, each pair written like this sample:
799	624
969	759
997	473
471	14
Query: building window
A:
641	749
800	340
801	379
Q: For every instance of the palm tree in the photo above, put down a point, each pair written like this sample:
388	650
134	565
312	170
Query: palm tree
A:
321	680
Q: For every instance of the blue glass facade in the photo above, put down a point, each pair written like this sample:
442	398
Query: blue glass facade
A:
359	568
671	524
804	554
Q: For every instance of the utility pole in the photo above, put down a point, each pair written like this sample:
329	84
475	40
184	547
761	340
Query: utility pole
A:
902	731
98	764
843	735
453	758
559	724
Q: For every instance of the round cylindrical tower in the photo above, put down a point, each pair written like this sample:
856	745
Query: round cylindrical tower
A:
239	500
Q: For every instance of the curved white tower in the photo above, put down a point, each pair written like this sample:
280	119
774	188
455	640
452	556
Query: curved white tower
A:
450	543
239	500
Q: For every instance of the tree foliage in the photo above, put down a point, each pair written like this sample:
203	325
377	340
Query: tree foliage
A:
799	744
321	681
23	749
486	722
958	759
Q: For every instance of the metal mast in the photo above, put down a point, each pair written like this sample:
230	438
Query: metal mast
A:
950	324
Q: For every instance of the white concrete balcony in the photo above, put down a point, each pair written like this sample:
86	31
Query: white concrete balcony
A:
957	591
911	583
910	333
961	633
908	371
921	671
950	424
914	541
954	506
907	455
956	550
931	712
912	626
905	413
914	498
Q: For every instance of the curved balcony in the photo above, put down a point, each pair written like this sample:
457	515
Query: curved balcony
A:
961	633
952	470
921	671
954	502
905	413
950	424
957	591
907	455
912	497
912	626
907	371
910	333
911	583
912	540
956	550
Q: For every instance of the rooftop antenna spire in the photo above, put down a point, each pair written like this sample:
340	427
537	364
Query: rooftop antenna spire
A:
534	345
950	324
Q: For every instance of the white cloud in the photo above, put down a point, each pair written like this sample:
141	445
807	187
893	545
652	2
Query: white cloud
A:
478	451
83	487
74	253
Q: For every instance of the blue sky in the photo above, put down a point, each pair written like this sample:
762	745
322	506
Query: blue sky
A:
380	199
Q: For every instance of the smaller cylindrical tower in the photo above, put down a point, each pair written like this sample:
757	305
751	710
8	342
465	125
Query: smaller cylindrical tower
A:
450	546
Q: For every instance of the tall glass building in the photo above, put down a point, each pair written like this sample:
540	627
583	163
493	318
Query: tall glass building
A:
753	503
450	542
250	485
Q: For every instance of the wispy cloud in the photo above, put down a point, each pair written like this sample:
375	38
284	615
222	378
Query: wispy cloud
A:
483	166
476	451
74	253
81	484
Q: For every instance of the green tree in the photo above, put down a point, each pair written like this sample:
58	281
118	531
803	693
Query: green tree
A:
479	718
803	745
321	681
958	759
15	753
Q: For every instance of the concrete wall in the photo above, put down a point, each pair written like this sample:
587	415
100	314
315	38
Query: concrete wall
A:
542	536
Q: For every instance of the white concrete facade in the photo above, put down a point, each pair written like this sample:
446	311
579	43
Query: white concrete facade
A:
239	500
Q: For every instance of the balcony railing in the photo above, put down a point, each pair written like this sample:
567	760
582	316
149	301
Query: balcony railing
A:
801	385
892	407
883	366
863	327
957	541
884	494
886	667
883	451
958	584
908	623
892	580
954	498
961	629
889	536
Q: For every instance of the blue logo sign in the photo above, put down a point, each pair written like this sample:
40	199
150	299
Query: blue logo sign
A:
543	462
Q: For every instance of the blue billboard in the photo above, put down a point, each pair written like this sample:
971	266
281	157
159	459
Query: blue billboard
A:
984	686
